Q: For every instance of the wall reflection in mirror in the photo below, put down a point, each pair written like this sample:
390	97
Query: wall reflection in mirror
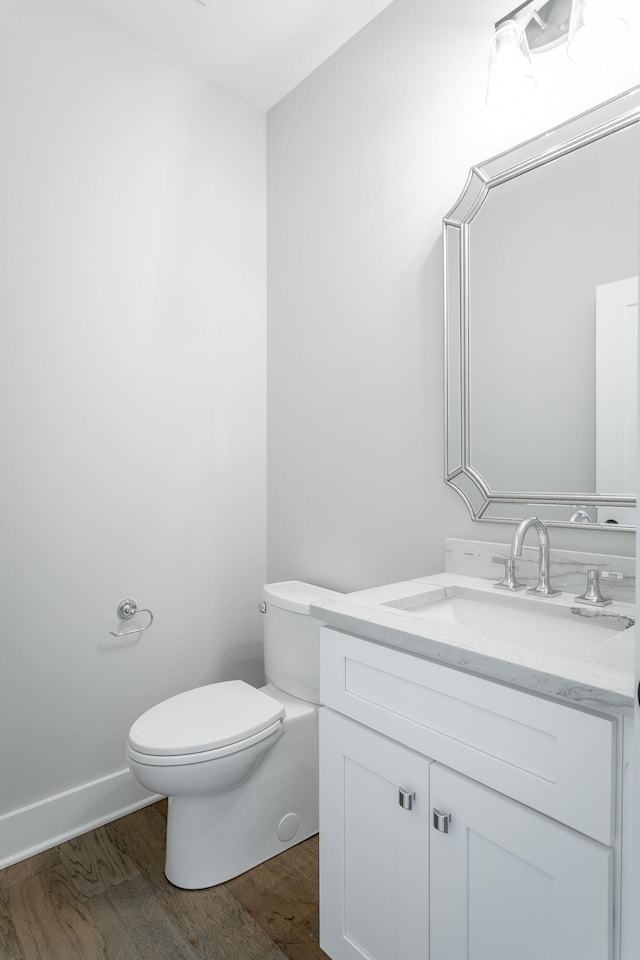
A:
541	301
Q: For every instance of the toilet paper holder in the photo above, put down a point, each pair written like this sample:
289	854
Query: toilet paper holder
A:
127	609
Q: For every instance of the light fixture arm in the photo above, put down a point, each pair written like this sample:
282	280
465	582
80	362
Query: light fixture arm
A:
539	20
545	22
525	12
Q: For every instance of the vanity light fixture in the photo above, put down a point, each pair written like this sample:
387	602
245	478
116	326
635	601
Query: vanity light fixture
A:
590	28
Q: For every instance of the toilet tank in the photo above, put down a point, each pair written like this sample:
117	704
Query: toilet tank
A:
292	637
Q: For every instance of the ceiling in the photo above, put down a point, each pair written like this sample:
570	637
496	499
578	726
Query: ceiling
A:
257	49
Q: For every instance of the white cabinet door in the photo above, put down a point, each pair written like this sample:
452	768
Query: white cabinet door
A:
507	882
374	853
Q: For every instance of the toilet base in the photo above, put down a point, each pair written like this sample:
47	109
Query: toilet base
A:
211	839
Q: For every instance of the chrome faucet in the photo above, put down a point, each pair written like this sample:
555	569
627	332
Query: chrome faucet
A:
543	587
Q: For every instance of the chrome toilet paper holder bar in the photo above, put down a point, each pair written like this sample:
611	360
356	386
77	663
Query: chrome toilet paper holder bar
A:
127	609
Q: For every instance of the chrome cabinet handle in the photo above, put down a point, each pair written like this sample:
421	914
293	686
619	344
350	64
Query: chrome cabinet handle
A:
441	820
406	798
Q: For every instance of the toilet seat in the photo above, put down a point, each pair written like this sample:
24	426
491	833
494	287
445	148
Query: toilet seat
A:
204	723
182	759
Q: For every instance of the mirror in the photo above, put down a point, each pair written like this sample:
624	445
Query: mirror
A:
541	311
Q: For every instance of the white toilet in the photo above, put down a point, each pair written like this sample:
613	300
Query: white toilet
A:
239	765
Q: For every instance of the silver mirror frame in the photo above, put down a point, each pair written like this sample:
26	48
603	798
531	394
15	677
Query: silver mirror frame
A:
483	503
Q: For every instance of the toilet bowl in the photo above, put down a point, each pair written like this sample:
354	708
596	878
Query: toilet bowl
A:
205	740
239	765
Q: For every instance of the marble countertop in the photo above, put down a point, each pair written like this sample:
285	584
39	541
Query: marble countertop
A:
600	677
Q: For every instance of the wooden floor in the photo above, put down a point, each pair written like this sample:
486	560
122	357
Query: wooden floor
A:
104	895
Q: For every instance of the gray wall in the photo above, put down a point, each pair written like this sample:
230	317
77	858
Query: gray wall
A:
364	159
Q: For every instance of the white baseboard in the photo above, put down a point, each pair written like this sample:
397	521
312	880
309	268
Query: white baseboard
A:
45	824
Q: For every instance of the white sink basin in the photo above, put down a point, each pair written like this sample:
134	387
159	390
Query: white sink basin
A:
520	618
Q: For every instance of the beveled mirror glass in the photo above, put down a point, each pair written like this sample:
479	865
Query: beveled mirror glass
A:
541	310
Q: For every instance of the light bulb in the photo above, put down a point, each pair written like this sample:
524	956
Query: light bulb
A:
511	79
596	31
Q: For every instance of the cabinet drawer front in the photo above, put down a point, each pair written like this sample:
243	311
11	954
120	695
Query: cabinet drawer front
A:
553	758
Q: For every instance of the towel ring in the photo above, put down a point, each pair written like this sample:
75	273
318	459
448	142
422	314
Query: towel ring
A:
127	609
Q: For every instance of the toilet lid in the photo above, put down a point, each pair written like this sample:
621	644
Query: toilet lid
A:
204	719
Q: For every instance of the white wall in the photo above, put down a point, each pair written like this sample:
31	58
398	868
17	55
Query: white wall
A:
132	403
365	158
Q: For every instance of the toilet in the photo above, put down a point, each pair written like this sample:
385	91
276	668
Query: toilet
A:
240	765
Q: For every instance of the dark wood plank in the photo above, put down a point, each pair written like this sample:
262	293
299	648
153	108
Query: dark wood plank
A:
50	921
212	920
282	895
94	863
9	946
140	837
28	868
135	926
218	925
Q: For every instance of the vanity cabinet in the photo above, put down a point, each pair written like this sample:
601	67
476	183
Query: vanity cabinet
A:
459	817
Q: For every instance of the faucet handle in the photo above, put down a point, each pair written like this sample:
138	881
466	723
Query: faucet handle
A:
509	581
592	594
